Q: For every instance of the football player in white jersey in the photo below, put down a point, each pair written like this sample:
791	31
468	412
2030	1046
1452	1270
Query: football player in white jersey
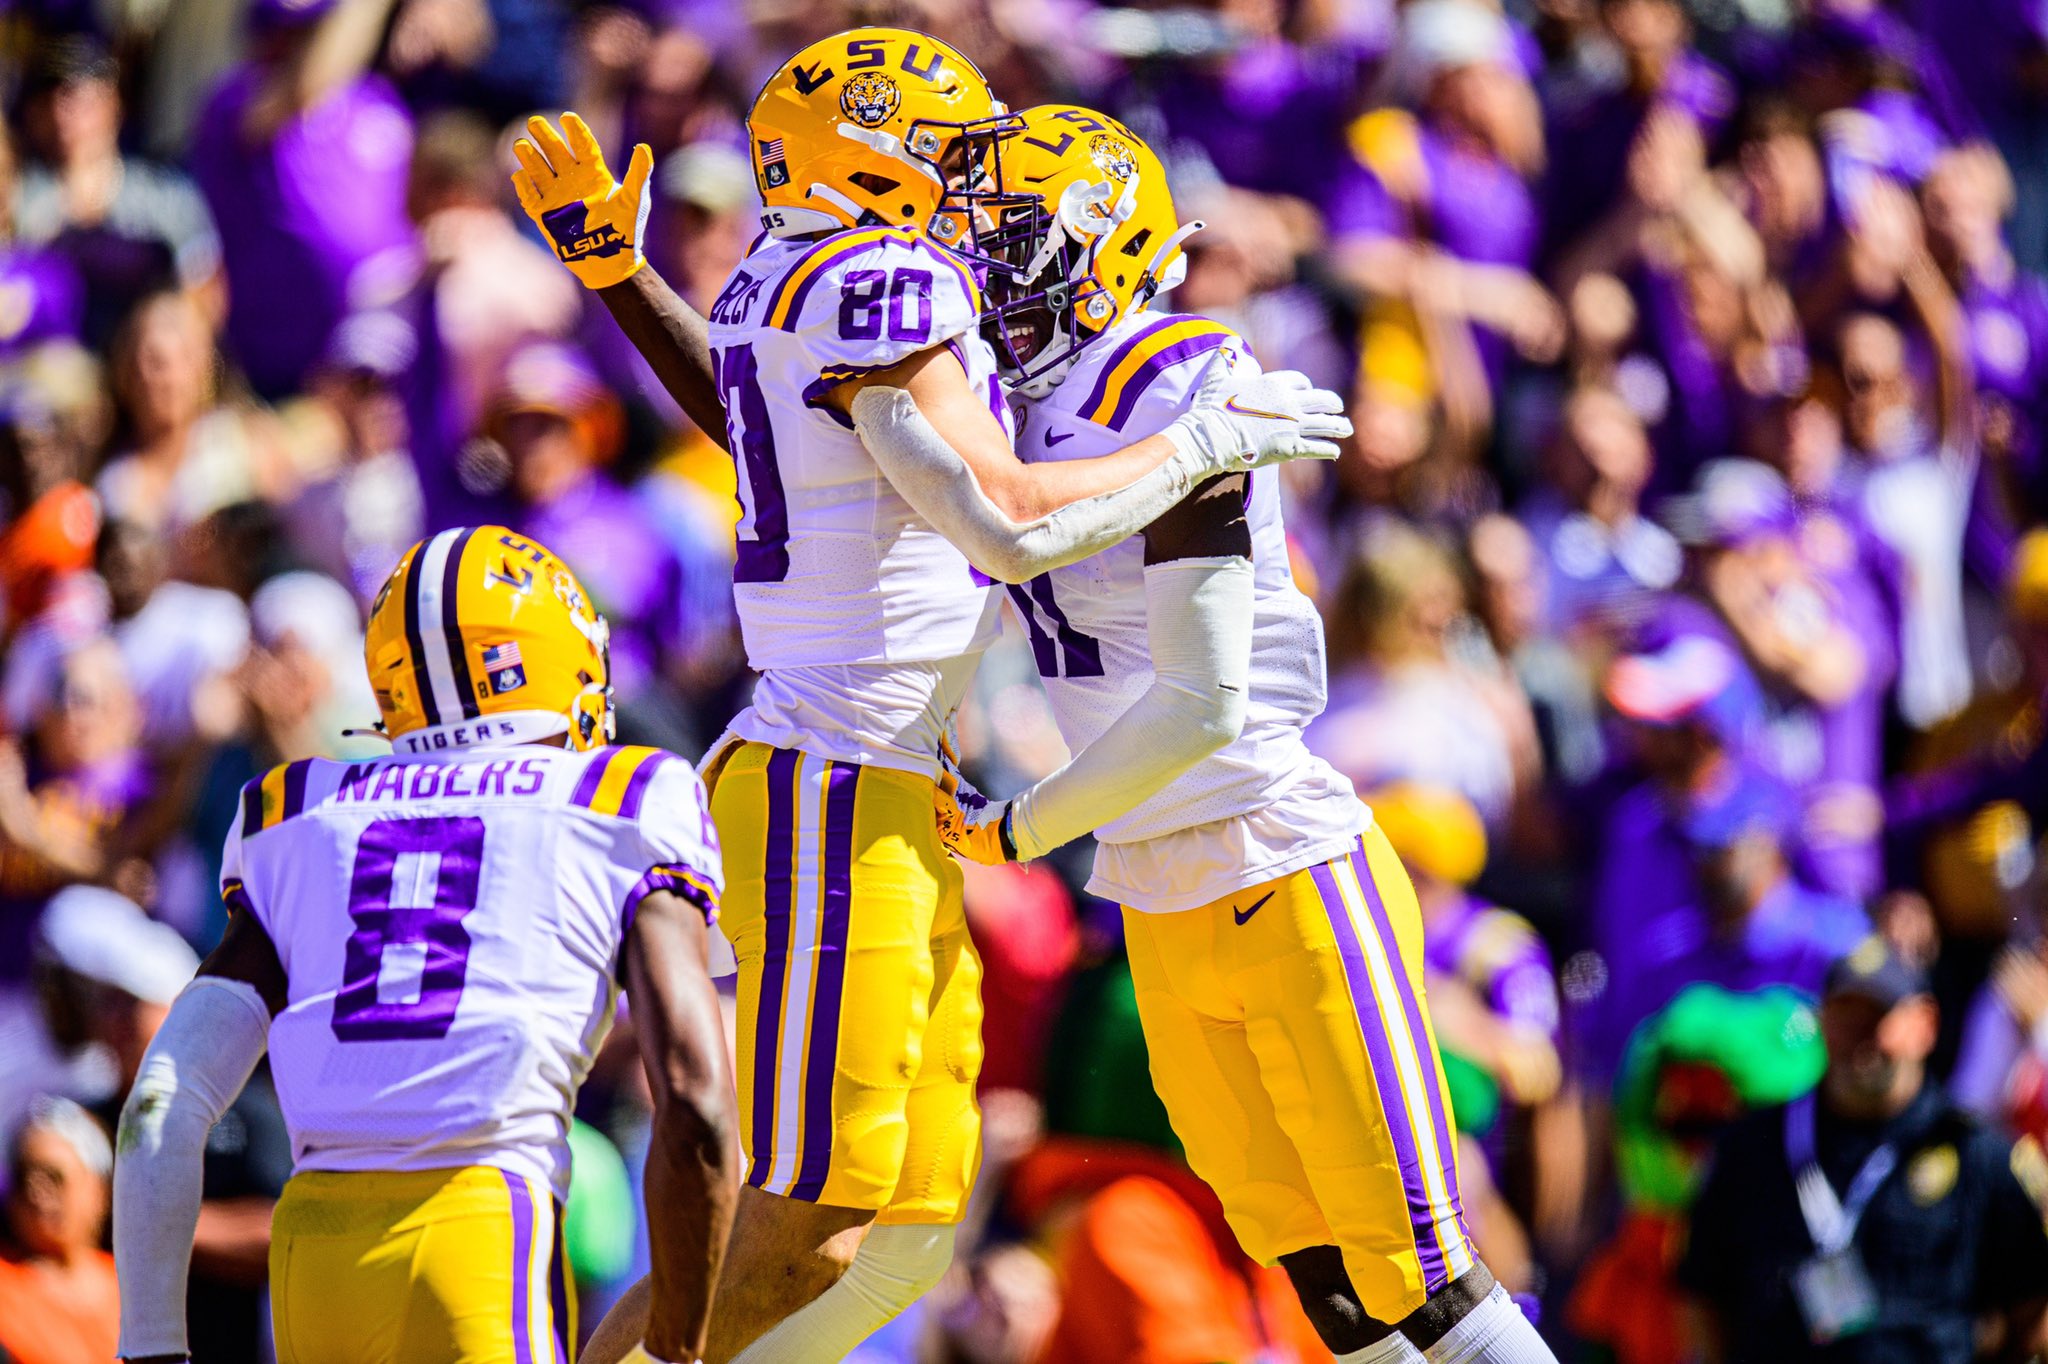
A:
1275	941
431	947
880	493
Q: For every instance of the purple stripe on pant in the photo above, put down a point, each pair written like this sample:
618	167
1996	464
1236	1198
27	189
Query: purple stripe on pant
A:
776	907
1411	1007
842	782
1386	1075
558	1288
522	1257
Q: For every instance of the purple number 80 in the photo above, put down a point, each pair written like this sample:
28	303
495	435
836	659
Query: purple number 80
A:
863	309
399	863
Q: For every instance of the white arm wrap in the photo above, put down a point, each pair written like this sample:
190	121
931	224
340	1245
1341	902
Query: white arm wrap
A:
920	464
1198	619
212	1039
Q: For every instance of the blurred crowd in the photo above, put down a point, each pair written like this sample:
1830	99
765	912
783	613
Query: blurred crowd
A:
1684	584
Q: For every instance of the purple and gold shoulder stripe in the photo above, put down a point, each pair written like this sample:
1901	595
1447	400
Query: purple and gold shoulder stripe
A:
615	781
1141	358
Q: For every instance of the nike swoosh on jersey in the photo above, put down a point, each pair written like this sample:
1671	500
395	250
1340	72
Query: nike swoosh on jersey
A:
1241	915
1052	439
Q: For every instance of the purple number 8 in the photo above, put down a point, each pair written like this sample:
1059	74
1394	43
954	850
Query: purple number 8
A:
399	863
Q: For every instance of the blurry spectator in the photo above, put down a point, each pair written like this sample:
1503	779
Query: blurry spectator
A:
302	154
558	424
1968	197
129	227
2001	1070
1694	879
1982	794
179	643
53	416
1603	560
59	1303
107	976
1591	135
1871	1218
45	296
357	518
707	191
1824	699
494	288
1453	177
1400	707
1691	1069
303	677
64	797
182	453
1914	462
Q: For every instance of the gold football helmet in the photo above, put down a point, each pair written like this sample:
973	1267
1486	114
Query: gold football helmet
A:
481	635
1087	233
871	127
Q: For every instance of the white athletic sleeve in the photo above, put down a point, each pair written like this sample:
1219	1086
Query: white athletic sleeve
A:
201	1057
923	466
1199	628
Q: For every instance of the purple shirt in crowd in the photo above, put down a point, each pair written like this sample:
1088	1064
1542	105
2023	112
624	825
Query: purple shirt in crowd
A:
1270	117
300	213
1477	208
1589	136
629	568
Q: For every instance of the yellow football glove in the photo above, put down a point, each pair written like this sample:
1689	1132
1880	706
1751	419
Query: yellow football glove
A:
970	824
595	223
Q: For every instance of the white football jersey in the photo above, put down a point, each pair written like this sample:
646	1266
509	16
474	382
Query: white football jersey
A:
1264	805
835	571
450	925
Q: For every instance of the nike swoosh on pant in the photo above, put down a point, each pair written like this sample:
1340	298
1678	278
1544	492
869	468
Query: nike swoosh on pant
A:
1243	914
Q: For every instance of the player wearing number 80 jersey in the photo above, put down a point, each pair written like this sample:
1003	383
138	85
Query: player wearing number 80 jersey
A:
436	942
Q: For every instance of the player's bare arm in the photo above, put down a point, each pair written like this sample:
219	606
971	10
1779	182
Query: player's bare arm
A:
671	336
205	1052
693	1162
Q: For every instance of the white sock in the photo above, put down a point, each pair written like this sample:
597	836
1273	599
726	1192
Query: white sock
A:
1395	1349
1494	1332
894	1267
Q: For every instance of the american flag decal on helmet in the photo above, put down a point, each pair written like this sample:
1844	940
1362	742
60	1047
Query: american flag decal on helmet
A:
773	168
504	667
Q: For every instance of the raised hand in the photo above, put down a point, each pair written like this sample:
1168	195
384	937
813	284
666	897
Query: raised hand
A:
595	223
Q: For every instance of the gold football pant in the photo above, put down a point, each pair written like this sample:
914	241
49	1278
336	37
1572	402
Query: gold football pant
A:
460	1266
859	992
1291	1045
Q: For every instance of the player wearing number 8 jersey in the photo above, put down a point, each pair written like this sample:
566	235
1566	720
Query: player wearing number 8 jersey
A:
1275	942
431	946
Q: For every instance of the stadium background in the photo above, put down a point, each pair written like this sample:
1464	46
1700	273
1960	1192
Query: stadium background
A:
1685	622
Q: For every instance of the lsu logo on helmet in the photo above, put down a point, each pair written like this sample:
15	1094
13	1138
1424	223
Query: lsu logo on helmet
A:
870	99
874	126
1113	156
